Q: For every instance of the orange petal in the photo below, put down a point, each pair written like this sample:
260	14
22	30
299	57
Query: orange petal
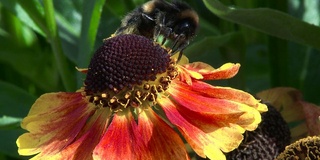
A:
82	70
226	71
217	109
122	140
87	140
204	144
227	93
209	124
162	141
54	121
187	75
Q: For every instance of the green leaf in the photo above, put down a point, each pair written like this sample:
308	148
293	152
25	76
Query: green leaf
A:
66	74
90	22
21	34
28	12
221	49
209	43
8	143
14	101
69	35
311	76
120	10
32	64
269	21
68	19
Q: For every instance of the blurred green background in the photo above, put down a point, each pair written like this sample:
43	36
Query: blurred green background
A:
42	41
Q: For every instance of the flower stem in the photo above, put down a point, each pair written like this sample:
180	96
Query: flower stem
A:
91	15
278	53
53	36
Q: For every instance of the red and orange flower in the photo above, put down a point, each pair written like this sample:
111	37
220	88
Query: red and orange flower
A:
133	97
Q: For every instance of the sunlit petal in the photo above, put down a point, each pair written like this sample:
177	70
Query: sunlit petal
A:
227	93
122	140
67	114
192	100
211	120
204	144
87	140
160	138
226	71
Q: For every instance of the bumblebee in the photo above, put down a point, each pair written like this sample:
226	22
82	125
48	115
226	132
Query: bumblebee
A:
175	21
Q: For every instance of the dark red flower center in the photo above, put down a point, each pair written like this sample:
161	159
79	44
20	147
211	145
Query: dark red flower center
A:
125	61
128	70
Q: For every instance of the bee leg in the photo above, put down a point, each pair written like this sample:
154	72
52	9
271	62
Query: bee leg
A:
183	45
147	17
160	28
166	31
175	43
180	49
180	43
179	56
156	33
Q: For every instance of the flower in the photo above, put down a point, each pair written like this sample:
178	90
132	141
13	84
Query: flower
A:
267	141
303	117
305	148
133	97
